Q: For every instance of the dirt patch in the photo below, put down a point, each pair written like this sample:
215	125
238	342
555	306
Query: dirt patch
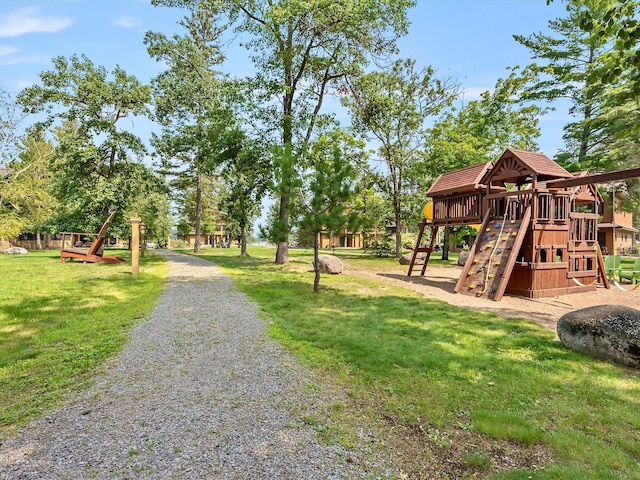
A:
458	453
439	283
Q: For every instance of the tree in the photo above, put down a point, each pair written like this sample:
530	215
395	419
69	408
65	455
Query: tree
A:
329	190
582	44
391	107
476	132
480	130
85	108
205	204
620	24
188	104
26	202
151	205
246	176
10	118
374	212
300	49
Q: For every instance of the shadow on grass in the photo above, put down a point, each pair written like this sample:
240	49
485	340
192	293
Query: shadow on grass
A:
424	360
51	297
446	284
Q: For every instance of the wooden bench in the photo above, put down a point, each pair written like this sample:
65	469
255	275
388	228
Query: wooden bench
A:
94	253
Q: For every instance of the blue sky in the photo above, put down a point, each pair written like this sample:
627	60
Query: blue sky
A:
470	40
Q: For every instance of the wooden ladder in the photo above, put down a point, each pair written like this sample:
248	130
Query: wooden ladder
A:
418	249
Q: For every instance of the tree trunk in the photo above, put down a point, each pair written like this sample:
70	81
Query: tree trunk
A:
588	108
445	244
397	207
243	241
282	252
38	241
196	244
316	262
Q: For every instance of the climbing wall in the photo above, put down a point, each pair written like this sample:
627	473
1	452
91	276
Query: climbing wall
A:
492	257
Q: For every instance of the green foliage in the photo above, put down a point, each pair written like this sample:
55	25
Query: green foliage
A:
374	212
212	192
93	168
620	64
190	107
10	119
481	130
329	189
391	107
58	325
246	175
25	191
286	182
583	61
301	49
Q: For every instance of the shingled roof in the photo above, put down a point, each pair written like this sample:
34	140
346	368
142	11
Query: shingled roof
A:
459	181
514	165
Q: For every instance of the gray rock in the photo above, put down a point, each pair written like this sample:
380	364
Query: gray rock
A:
611	332
17	251
330	264
462	258
406	258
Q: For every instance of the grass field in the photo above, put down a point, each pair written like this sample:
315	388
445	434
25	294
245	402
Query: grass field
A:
454	393
446	392
59	322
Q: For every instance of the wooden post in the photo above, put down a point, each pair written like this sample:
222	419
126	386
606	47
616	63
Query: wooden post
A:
143	238
135	246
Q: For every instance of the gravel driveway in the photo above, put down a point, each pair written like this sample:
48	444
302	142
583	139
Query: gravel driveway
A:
200	392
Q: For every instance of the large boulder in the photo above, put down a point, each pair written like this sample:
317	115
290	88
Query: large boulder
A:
462	257
406	258
330	264
18	251
611	332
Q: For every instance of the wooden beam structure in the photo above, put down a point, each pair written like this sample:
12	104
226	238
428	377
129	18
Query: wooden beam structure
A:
598	178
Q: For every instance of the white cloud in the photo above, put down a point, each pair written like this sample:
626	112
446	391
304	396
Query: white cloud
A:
4	51
28	20
127	21
24	59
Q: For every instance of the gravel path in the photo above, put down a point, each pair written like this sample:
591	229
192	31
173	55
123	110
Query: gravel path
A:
201	392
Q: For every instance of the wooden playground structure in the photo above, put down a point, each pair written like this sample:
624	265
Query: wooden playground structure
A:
538	226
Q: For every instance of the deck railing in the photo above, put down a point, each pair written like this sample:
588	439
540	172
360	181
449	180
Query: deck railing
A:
513	205
465	208
470	208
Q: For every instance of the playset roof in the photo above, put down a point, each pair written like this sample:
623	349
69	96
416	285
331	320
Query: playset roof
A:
516	165
460	181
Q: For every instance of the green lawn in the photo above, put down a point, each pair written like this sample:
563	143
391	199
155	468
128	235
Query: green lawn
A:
59	322
455	393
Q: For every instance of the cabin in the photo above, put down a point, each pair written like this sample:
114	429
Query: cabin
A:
616	234
537	227
348	239
218	238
